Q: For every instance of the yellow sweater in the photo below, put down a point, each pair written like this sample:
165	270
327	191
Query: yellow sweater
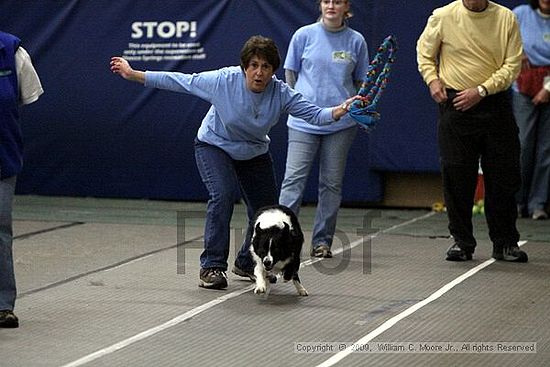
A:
466	49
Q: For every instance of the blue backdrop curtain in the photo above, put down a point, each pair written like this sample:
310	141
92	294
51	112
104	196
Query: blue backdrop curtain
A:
93	134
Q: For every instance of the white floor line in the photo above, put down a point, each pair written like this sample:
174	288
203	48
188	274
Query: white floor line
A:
197	310
157	329
409	311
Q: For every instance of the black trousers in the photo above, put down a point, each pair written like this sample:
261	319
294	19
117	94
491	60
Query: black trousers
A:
486	133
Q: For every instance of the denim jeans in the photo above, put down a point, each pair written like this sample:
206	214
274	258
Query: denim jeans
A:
534	134
332	150
7	277
488	132
224	177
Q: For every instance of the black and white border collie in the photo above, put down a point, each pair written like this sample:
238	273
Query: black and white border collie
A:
276	245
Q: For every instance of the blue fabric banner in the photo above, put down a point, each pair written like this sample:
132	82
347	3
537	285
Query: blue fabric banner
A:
94	134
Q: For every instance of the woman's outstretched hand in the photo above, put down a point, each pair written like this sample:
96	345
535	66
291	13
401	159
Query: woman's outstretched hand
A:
120	66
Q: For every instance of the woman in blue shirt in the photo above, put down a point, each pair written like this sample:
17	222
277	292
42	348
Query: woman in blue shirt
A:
326	62
532	108
232	144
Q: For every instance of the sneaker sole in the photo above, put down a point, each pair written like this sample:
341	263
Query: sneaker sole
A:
322	254
12	324
523	258
9	326
206	285
456	257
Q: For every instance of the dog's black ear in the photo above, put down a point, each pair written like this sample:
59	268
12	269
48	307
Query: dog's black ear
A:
255	234
258	230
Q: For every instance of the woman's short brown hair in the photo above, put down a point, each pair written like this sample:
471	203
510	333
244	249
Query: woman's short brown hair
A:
262	47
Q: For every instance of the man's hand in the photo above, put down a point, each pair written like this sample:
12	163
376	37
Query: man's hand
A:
466	99
437	91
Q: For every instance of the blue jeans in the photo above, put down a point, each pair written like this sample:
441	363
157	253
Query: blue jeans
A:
7	277
332	150
224	177
534	134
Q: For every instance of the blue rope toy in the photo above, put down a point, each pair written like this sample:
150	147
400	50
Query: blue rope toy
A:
363	110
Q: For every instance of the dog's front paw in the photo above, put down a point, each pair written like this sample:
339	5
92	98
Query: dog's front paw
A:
260	289
300	288
261	286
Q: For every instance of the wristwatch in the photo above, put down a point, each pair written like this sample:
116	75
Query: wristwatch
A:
482	91
345	106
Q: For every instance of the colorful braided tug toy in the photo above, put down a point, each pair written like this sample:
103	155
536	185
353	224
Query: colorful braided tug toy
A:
364	110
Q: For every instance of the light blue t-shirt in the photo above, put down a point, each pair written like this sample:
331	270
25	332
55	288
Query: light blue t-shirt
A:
239	120
326	64
535	33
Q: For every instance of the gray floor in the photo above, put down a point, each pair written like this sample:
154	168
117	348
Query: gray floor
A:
114	283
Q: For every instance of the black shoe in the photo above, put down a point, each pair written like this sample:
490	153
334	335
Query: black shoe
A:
510	253
456	253
522	212
250	274
213	278
8	319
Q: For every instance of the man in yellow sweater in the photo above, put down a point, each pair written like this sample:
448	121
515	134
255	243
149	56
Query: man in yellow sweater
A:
469	54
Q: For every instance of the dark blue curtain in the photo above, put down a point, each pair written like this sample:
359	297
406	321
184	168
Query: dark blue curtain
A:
93	134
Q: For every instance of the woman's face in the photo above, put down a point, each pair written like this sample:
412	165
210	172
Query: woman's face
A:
544	6
258	74
334	10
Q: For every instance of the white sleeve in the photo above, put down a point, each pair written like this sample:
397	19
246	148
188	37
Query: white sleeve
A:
290	77
30	87
546	83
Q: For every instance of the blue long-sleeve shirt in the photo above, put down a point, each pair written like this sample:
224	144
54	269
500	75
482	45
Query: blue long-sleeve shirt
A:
239	120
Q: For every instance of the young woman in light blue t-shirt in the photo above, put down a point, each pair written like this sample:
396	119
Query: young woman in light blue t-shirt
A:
326	62
532	110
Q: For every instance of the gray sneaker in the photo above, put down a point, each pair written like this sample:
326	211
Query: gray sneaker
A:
212	278
510	253
250	274
539	214
321	251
